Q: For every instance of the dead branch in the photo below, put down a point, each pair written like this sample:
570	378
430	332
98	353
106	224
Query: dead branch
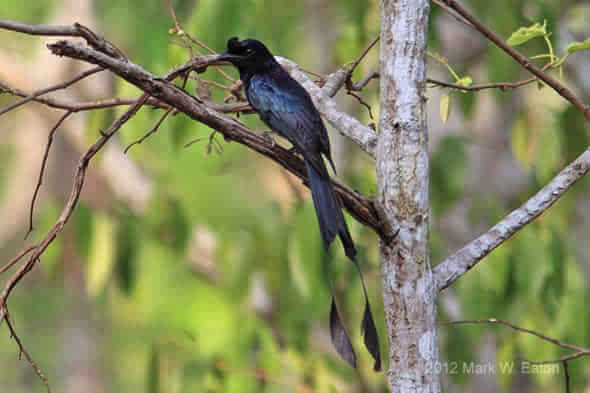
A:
60	86
42	170
579	351
359	207
462	260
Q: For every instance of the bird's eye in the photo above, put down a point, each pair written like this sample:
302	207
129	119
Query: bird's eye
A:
249	51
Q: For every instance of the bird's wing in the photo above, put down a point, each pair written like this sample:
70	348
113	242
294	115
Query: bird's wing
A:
287	109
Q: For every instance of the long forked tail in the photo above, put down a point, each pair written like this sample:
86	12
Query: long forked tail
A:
328	210
332	223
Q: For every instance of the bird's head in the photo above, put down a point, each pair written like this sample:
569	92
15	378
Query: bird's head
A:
247	55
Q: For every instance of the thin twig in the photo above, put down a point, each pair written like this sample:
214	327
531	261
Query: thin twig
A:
519	328
363	54
565	358
81	106
320	77
42	170
453	13
40	30
216	84
22	350
150	132
51	89
195	41
75	30
360	85
173	15
503	86
362	102
114	102
567	376
17	258
159	122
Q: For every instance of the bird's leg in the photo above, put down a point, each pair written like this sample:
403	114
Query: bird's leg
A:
268	136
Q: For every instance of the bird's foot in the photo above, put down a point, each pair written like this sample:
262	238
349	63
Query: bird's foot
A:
268	136
294	150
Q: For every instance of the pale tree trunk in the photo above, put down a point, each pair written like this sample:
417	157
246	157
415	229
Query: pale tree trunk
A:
409	291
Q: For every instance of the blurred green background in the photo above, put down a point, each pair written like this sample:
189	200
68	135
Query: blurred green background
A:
201	269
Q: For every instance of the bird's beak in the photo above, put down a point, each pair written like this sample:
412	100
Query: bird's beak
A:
226	56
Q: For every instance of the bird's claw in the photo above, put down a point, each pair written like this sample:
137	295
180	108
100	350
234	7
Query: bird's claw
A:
268	136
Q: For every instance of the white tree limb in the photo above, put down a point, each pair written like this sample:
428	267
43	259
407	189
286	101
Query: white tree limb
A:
409	291
467	257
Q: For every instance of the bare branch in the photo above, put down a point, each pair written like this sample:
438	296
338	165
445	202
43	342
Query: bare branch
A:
362	55
580	351
565	358
173	15
76	30
567	377
359	207
358	86
114	102
40	30
42	170
453	13
51	89
543	337
464	259
150	132
521	59
22	350
362	102
17	258
495	85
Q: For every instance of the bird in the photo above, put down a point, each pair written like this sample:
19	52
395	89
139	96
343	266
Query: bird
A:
287	108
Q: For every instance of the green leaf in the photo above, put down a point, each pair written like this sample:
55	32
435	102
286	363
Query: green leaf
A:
577	46
465	81
127	246
445	107
102	254
448	168
525	34
83	217
153	374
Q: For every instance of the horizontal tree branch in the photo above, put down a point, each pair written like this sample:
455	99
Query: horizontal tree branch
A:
503	86
75	30
347	125
355	203
40	30
579	351
467	257
116	101
60	86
